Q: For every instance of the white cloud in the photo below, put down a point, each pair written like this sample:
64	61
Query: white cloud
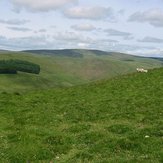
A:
42	30
40	5
152	16
72	37
113	32
151	40
135	50
22	29
43	42
21	43
153	53
83	45
83	27
66	36
14	21
93	13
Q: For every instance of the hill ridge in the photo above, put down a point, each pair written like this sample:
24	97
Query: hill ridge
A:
59	71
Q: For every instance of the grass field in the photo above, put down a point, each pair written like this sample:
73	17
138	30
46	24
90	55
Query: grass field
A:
117	120
63	70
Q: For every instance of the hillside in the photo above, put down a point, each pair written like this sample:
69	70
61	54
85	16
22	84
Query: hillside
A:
1	50
117	120
70	67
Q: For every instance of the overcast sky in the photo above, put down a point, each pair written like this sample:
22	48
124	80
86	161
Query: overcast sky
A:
130	26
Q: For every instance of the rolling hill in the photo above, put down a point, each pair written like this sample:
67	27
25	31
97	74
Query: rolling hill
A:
70	67
116	120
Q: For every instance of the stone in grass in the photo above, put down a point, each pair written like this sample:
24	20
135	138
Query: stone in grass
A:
147	136
57	157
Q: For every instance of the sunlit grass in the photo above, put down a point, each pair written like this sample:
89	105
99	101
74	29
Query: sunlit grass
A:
119	120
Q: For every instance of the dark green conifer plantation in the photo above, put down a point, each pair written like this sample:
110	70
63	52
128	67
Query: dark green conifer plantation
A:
12	66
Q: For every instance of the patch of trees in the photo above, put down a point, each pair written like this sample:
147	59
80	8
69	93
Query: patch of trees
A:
13	66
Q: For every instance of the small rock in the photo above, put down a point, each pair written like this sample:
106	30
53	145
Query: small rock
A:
146	136
57	157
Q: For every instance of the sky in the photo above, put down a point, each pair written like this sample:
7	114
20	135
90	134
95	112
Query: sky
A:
128	26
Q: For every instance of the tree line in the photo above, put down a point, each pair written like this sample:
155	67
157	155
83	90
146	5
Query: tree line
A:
13	66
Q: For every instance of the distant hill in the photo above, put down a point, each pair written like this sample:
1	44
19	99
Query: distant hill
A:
81	52
157	58
2	50
65	52
71	67
73	52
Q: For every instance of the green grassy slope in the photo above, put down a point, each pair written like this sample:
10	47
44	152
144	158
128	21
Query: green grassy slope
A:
65	70
120	120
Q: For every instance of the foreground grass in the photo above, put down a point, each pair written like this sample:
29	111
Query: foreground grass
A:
120	120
